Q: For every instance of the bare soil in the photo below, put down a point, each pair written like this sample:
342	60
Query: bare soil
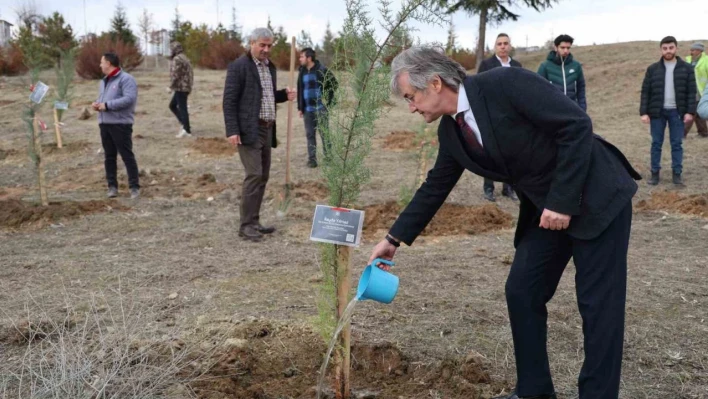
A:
447	333
451	219
400	140
16	213
213	146
671	201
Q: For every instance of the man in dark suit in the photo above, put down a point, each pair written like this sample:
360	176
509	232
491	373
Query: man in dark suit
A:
249	115
501	59
576	192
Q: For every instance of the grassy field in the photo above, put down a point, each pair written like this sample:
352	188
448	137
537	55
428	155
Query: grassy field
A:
159	297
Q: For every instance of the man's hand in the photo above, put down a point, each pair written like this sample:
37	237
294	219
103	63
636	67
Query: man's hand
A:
102	106
291	93
235	140
300	113
94	105
554	220
168	89
645	119
383	250
688	118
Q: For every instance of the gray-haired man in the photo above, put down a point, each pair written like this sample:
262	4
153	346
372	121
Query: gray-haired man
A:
249	115
575	191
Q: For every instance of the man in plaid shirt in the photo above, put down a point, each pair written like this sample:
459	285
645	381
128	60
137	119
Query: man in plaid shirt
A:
249	115
316	86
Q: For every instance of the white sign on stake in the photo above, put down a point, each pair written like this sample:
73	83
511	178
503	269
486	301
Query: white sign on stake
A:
61	105
337	225
38	93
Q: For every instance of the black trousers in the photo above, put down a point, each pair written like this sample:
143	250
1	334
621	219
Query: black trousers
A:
178	106
489	186
117	139
601	287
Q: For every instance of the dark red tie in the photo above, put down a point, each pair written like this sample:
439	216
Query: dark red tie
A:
467	132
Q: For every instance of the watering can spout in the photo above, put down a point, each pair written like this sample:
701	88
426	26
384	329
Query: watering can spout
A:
377	284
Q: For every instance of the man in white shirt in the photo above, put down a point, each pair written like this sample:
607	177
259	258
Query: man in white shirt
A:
501	58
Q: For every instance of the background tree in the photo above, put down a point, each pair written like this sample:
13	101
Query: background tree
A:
304	40
492	12
234	28
176	25
327	46
145	23
120	27
451	44
56	37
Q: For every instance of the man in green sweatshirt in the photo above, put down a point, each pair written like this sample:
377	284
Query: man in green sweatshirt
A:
564	72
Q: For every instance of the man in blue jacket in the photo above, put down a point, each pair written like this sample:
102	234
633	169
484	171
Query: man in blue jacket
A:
116	113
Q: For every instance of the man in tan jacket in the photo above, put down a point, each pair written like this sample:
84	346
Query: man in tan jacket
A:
181	78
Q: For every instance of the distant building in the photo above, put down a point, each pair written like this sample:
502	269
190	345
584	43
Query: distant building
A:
5	33
159	42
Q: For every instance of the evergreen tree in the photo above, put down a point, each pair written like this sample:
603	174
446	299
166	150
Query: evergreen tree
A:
234	29
176	25
327	46
304	40
120	27
451	45
56	37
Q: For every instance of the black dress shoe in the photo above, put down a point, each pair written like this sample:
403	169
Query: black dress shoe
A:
264	229
250	233
489	195
509	192
515	396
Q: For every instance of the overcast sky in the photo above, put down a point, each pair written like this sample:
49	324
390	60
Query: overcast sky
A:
588	21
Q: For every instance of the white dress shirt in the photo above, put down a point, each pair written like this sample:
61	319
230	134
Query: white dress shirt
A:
508	64
463	105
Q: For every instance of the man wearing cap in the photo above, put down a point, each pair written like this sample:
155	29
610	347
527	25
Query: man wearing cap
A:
700	66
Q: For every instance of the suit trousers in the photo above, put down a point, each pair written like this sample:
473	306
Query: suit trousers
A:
256	162
601	287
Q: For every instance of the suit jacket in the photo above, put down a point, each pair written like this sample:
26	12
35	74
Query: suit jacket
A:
242	99
542	144
493	62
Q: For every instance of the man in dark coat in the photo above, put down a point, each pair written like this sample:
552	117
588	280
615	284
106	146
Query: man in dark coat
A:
501	59
575	192
249	115
668	97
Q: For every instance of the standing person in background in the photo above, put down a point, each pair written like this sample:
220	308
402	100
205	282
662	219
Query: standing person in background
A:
668	97
699	62
118	95
316	86
564	72
501	59
249	114
181	80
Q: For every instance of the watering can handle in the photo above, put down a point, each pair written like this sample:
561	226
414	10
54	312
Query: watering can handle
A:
384	261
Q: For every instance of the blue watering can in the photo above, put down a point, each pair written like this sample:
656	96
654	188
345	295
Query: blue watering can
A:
376	284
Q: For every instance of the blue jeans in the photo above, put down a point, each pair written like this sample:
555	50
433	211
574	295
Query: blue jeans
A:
676	127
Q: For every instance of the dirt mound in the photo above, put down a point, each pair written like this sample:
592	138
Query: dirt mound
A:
400	140
267	361
15	213
6	102
310	191
671	201
169	184
7	193
67	148
144	86
7	153
213	146
451	219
